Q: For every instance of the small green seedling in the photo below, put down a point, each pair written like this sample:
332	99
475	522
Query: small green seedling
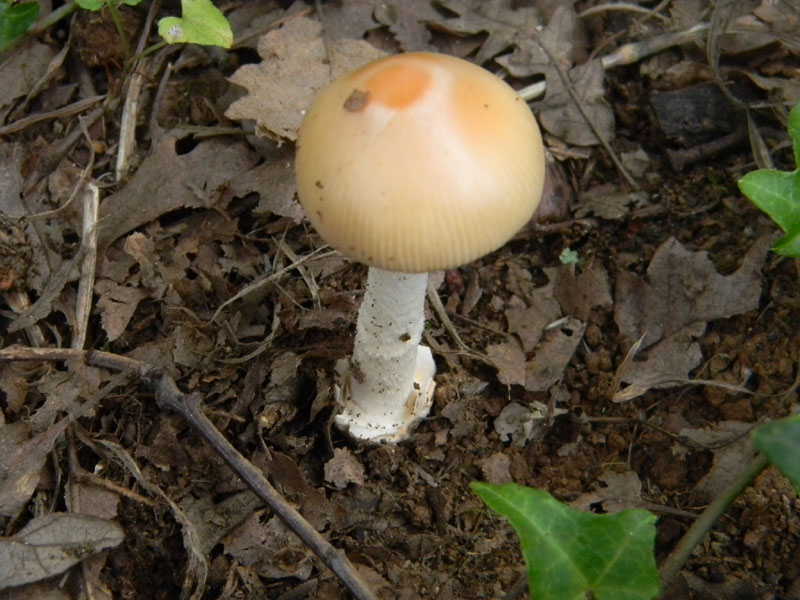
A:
777	193
95	5
15	20
201	23
568	256
780	443
573	555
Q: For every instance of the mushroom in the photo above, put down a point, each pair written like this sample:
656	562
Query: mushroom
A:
412	163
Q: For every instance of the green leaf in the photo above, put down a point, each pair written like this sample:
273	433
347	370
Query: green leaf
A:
794	131
573	555
780	442
201	23
568	256
91	4
98	4
777	193
15	21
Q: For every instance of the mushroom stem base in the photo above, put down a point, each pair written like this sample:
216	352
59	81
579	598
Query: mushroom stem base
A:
388	383
415	408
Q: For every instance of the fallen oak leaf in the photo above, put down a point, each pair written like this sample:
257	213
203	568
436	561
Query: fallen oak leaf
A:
503	25
682	287
168	181
295	66
560	115
406	20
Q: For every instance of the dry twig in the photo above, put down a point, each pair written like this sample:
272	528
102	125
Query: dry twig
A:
189	407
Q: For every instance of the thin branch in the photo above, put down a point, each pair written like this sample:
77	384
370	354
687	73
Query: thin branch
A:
579	104
620	6
59	113
190	409
707	518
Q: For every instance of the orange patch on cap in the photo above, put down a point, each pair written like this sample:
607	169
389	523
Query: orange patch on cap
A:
397	86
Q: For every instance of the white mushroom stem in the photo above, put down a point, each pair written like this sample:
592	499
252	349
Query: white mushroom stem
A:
390	380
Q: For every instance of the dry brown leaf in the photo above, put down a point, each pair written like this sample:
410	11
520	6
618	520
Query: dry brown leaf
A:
669	309
22	67
577	295
528	322
250	19
343	469
350	19
15	387
786	89
496	468
406	20
20	468
286	475
325	318
502	24
623	490
295	66
283	380
94	501
116	304
746	34
11	157
67	391
667	364
684	287
520	424
729	458
269	548
559	115
191	346
215	520
42	590
509	360
551	357
685	13
528	57
275	184
167	181
51	544
610	202
164	449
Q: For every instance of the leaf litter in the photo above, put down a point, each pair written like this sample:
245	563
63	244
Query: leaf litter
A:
201	220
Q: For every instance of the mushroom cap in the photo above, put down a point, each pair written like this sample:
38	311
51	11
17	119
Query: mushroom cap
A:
418	162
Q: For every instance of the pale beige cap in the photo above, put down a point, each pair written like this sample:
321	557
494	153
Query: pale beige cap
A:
418	162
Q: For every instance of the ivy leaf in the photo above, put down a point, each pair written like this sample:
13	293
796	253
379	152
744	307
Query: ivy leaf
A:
573	555
780	442
90	4
15	21
794	132
201	23
98	4
777	193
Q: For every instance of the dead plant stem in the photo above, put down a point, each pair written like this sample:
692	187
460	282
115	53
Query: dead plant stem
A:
707	518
